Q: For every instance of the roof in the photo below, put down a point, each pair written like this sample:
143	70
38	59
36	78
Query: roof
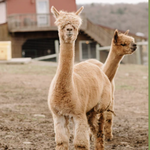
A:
2	1
103	34
122	31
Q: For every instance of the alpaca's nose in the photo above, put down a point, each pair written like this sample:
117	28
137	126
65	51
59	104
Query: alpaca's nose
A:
69	29
134	44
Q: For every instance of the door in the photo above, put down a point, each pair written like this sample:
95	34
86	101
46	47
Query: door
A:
42	10
87	50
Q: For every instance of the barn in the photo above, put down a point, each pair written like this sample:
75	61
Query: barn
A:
29	25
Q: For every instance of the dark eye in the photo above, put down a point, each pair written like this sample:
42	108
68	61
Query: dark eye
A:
62	27
123	44
73	27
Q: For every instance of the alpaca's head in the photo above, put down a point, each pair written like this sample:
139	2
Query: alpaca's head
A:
123	44
68	24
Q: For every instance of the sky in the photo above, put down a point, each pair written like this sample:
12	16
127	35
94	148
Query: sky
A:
109	1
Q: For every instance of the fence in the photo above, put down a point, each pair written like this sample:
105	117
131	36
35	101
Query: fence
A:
30	22
141	52
52	55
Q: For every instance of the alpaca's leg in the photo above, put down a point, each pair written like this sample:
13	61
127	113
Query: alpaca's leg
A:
61	132
109	123
93	123
99	137
81	137
67	126
109	117
72	135
92	120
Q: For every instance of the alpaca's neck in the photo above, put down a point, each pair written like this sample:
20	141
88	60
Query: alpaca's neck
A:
65	66
111	64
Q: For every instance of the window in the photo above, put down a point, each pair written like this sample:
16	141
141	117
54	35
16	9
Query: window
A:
42	9
87	50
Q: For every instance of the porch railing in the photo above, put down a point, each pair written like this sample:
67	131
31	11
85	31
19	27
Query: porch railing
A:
30	22
141	54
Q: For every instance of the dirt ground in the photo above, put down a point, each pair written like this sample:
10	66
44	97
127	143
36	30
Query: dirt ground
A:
26	122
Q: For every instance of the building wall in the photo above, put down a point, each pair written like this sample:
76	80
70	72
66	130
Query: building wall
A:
66	5
20	6
103	56
81	37
4	34
2	12
29	6
18	39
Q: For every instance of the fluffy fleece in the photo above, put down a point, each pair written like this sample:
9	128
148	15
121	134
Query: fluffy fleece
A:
76	89
65	18
121	45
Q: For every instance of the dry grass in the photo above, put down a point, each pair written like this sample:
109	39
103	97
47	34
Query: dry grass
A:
26	123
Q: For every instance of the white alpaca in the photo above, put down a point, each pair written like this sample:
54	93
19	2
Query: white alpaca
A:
76	89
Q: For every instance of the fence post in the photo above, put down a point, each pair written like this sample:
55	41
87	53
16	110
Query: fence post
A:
97	52
138	56
57	50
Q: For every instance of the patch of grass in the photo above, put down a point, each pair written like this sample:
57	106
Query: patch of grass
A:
124	87
133	68
21	117
28	69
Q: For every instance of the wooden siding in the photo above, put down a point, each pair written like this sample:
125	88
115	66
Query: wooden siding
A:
18	39
4	34
29	6
95	32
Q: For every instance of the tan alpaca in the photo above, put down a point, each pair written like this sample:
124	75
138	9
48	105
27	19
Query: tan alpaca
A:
121	45
76	89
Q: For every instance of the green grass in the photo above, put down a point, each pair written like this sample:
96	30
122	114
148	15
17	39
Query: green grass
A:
124	87
133	68
28	69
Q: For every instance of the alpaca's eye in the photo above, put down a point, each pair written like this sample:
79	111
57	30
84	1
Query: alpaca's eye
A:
123	44
62	27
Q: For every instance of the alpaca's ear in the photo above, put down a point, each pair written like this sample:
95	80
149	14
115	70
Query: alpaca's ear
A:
79	11
115	36
126	33
55	12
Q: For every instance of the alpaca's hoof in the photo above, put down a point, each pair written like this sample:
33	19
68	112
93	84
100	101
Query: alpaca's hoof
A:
71	138
99	146
108	137
81	143
62	146
77	147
